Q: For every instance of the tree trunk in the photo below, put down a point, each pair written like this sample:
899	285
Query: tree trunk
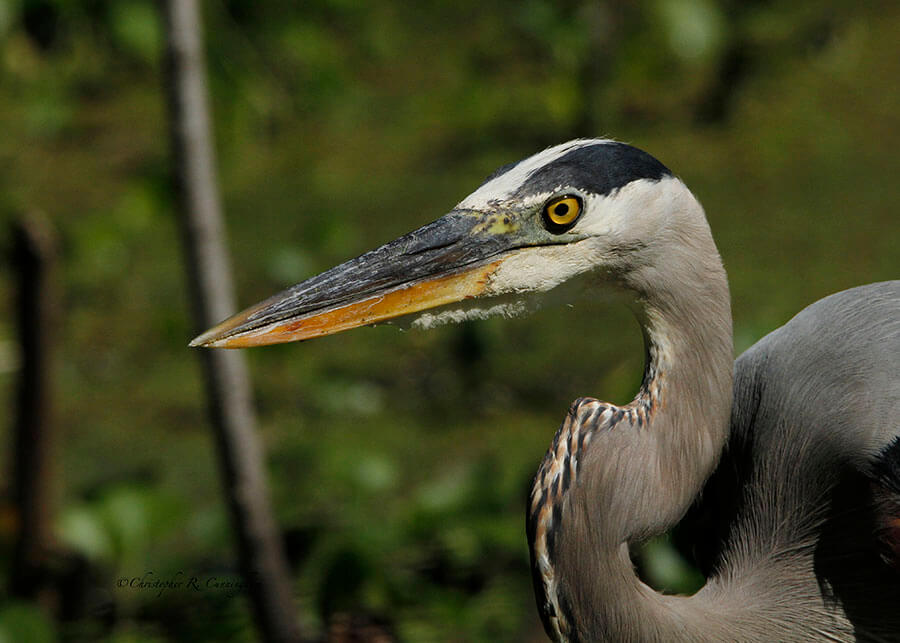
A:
260	550
34	254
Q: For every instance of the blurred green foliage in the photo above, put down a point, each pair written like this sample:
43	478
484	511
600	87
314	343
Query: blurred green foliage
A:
399	461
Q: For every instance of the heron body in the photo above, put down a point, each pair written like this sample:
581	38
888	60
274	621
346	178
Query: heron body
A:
793	450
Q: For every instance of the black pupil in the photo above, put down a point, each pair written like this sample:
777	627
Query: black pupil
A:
561	209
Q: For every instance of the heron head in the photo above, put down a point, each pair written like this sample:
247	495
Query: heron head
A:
586	206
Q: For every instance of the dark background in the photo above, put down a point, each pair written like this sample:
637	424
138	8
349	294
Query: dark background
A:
399	461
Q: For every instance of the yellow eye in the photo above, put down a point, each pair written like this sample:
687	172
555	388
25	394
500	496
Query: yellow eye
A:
561	213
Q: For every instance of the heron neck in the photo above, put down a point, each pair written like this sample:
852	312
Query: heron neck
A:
641	469
687	386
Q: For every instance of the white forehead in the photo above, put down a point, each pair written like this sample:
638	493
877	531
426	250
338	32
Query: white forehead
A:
505	185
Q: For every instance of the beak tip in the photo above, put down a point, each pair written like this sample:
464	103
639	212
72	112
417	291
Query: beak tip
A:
221	335
209	339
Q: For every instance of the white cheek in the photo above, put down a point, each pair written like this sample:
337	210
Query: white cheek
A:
640	210
605	215
540	269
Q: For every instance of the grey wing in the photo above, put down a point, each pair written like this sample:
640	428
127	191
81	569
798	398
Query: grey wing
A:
832	372
813	397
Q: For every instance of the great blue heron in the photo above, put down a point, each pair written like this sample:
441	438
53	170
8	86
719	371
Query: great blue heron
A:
800	523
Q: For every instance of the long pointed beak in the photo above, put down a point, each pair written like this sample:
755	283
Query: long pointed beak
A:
443	262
